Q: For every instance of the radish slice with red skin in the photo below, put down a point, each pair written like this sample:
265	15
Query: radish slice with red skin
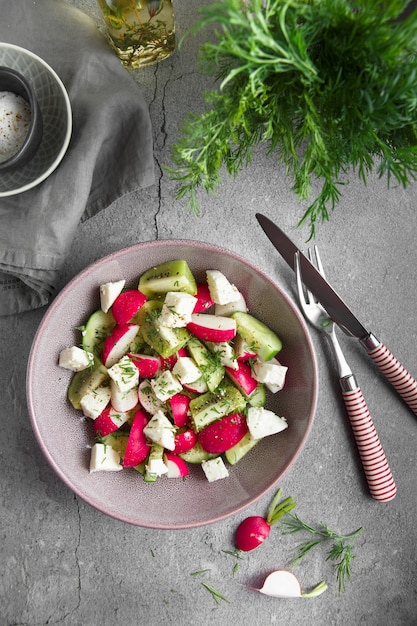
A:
204	299
184	441
169	362
126	305
177	467
109	421
137	448
223	434
180	404
117	343
283	584
242	377
146	364
213	328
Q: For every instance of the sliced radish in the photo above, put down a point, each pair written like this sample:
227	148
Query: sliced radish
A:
123	400
212	327
243	378
117	343
148	399
127	304
243	352
204	299
137	448
198	386
147	365
180	404
283	584
177	467
109	421
169	362
184	441
223	434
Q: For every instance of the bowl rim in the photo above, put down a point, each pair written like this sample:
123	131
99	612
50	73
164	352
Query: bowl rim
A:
33	137
66	290
68	108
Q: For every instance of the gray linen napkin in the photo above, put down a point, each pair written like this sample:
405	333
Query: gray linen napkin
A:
110	153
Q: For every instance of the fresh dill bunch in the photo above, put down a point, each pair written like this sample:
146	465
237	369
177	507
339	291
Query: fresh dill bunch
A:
340	552
330	86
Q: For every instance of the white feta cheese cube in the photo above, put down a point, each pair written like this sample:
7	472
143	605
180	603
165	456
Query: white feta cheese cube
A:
104	459
156	466
214	469
271	373
221	290
186	370
226	354
262	422
75	359
95	401
177	309
109	293
165	385
161	431
231	307
125	374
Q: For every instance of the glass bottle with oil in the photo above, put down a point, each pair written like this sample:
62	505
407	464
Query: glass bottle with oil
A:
141	32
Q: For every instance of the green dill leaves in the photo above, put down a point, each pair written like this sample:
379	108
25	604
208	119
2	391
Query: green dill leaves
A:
329	86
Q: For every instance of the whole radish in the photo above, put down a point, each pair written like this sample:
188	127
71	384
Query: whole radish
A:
255	529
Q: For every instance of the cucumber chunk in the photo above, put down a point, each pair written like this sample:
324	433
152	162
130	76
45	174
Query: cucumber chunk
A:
99	325
234	454
86	380
212	371
168	276
165	341
213	405
257	335
197	454
258	397
117	440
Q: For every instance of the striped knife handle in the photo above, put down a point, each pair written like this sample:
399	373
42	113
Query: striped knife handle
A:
378	474
394	372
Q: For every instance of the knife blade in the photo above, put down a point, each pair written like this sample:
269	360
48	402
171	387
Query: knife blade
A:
341	314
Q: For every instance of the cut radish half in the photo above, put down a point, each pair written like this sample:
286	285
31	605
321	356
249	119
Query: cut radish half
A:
109	421
204	299
127	304
117	343
177	467
242	378
180	404
137	448
147	365
213	328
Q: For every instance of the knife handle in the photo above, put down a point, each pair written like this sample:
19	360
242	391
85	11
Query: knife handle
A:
392	369
377	471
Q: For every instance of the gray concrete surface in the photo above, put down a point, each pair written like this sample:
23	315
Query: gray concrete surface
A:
63	562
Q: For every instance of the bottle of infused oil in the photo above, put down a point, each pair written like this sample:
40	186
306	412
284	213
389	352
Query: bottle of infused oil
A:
142	32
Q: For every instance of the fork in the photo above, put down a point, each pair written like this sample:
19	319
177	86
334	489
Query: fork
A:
377	471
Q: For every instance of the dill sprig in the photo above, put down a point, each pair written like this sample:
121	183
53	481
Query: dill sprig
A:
340	552
330	86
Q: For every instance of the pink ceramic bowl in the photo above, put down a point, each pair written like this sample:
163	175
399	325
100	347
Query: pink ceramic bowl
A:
168	503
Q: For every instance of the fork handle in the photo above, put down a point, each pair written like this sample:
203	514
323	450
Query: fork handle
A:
392	369
377	471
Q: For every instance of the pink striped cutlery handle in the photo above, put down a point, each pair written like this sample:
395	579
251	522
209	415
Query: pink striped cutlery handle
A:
378	474
396	374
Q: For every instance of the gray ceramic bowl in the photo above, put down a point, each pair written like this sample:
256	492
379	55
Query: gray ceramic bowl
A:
56	114
15	83
169	503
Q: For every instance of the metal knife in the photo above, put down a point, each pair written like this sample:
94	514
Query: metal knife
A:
340	313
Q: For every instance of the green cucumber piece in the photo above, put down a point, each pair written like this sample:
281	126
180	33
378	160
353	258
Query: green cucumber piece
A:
258	397
212	405
168	276
117	440
86	380
257	335
212	371
197	455
165	341
99	325
234	454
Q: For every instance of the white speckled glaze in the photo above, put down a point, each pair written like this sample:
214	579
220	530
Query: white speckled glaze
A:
168	503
